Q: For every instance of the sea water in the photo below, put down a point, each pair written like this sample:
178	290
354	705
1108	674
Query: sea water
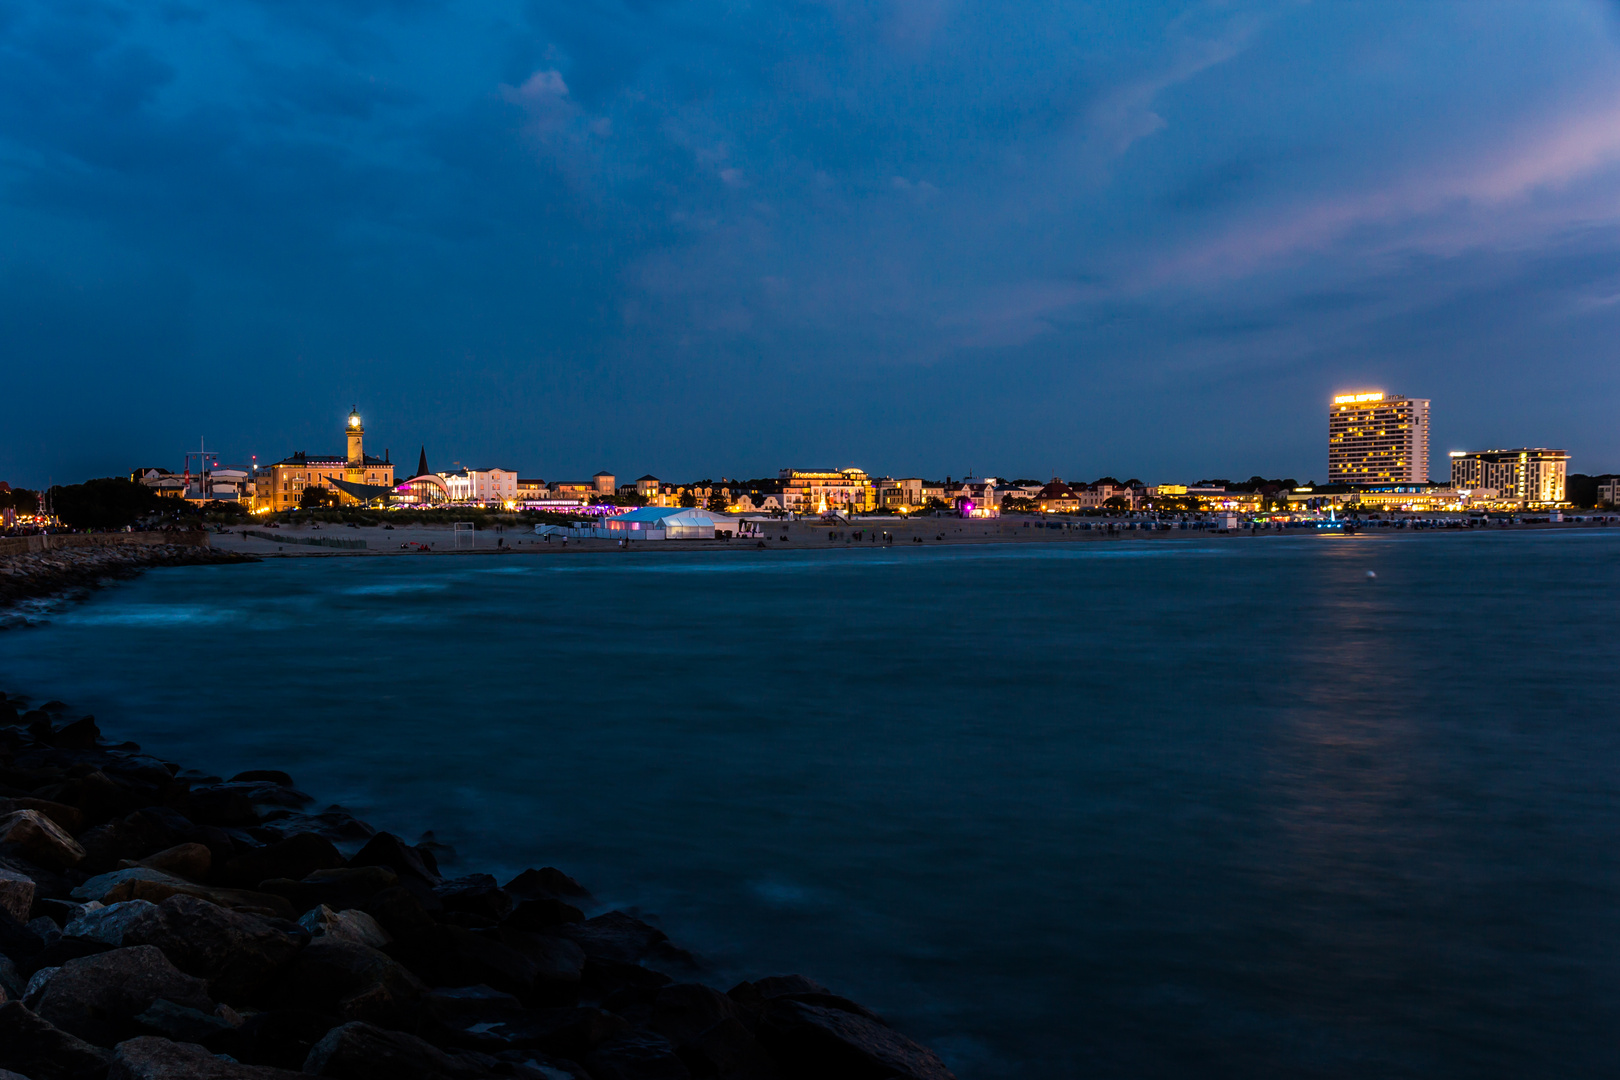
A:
1216	808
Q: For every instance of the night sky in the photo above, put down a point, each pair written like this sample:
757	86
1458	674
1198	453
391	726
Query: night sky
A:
720	238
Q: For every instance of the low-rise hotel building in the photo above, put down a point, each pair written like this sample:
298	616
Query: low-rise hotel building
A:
807	491
1532	477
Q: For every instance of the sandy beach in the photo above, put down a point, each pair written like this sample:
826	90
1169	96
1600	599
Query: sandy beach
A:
414	539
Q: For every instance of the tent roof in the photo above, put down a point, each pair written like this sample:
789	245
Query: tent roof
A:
673	515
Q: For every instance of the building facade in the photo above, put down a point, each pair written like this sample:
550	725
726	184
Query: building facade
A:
482	486
1530	475
281	486
806	491
1378	438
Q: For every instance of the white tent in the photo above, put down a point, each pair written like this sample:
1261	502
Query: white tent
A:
668	523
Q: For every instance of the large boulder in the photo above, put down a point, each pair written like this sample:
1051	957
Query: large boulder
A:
16	893
98	997
625	938
481	1018
153	1058
190	860
40	839
39	1049
350	925
547	968
361	1051
295	857
338	889
354	981
237	953
145	883
640	1055
813	1041
386	849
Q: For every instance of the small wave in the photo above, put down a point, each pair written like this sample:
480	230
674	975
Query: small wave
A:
395	588
152	615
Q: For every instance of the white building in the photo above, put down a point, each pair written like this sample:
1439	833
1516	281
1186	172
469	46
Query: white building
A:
1531	476
482	487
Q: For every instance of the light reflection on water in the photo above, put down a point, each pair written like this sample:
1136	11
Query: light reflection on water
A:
1125	809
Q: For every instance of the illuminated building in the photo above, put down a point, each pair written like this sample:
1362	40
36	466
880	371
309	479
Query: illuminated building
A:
1378	438
482	487
1057	498
1528	476
842	490
1416	498
892	494
281	486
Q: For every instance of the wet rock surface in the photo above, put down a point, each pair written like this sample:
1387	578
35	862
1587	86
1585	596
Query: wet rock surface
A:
162	924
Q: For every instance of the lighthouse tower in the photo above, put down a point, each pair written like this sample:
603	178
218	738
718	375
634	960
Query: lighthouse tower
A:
356	472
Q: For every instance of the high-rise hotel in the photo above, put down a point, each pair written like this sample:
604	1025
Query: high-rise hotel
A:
1378	438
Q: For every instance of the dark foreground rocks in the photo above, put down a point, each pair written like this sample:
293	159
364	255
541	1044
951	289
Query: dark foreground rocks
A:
159	924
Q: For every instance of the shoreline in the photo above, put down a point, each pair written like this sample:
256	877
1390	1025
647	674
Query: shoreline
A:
156	922
799	536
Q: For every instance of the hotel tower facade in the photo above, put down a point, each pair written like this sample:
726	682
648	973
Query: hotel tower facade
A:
1378	438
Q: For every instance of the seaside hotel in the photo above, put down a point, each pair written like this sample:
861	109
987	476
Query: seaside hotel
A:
1378	438
1530	476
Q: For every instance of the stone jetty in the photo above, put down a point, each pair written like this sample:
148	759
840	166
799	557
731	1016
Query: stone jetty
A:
36	567
157	923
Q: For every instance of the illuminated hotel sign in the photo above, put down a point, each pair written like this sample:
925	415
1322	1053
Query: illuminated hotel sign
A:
1357	399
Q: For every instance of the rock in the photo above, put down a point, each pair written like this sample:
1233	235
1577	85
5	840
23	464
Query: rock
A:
338	889
296	857
71	818
191	861
350	925
38	1049
683	1011
640	1055
62	912
548	881
11	980
182	1023
471	1017
282	1038
775	986
399	911
477	895
730	1050
814	1041
16	893
102	885
355	981
601	980
223	804
110	923
152	1058
144	883
238	953
40	839
522	964
360	1051
386	849
97	997
625	938
543	913
269	776
36	985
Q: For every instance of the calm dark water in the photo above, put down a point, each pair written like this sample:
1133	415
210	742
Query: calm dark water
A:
1140	809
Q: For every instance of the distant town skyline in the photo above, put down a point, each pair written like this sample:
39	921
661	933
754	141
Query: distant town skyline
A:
913	237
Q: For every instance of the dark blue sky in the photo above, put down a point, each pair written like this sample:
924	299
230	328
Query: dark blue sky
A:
706	238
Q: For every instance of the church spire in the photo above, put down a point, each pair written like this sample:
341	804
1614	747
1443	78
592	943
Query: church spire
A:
421	465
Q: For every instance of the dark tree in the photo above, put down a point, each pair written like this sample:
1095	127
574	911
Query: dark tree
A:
316	498
109	503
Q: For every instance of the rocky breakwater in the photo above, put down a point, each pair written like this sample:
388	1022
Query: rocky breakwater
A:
65	568
157	923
